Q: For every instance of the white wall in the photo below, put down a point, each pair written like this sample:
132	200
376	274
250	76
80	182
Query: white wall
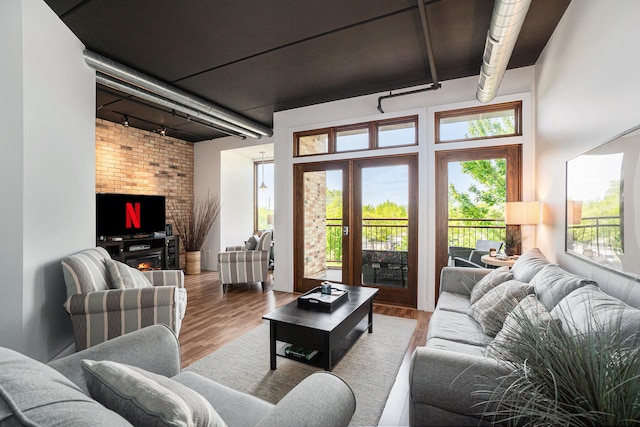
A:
49	187
588	91
517	84
219	169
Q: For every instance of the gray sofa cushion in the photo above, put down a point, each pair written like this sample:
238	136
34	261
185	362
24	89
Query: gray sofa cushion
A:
147	399
450	301
528	309
458	327
528	265
492	309
490	281
455	346
32	393
588	309
552	283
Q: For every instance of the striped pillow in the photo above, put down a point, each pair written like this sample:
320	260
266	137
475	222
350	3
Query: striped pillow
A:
124	277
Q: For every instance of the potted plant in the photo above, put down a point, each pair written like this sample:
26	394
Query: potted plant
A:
193	226
557	378
512	240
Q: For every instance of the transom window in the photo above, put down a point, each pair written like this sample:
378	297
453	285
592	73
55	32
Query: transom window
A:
359	137
487	121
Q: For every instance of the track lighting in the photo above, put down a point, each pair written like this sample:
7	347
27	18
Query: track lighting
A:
162	131
125	121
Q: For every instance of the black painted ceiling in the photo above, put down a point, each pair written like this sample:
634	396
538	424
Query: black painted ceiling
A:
260	56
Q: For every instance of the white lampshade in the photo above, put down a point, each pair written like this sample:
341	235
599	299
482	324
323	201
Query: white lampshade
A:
522	213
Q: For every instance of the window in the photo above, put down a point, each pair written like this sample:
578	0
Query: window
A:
491	121
358	137
263	189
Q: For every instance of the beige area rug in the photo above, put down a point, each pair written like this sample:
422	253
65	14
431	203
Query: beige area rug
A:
370	367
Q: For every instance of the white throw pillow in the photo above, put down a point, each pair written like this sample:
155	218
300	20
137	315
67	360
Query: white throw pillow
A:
124	277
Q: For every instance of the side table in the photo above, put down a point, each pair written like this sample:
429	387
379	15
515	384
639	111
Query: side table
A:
494	261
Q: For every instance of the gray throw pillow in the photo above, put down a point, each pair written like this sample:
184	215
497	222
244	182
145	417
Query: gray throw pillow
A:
490	281
588	311
552	284
492	309
124	277
148	399
530	310
251	244
528	265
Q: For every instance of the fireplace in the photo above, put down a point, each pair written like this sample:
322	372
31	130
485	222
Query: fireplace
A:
146	262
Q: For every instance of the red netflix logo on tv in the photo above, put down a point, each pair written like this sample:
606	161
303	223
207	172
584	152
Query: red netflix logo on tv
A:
132	215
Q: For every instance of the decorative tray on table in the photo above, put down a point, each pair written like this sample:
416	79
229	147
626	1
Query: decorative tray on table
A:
325	302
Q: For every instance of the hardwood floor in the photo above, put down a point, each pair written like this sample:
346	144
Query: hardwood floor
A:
214	319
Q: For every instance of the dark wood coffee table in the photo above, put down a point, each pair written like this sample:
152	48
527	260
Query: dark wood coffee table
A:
331	333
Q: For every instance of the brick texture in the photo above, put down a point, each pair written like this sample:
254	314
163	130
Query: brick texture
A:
134	161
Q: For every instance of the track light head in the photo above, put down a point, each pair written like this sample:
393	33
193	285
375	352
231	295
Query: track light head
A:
125	121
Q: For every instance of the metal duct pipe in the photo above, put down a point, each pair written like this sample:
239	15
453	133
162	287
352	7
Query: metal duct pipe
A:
122	86
506	22
133	77
427	41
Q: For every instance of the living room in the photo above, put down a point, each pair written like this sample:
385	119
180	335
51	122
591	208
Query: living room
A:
49	173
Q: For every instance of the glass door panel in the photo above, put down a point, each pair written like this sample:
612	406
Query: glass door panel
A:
320	223
385	238
385	220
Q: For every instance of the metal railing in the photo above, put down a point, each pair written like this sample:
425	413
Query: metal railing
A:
600	235
391	234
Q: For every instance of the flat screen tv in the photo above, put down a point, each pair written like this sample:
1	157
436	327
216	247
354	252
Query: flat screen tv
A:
125	215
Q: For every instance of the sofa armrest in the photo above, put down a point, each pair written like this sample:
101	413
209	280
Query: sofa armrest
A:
460	280
322	399
455	382
114	300
165	277
154	349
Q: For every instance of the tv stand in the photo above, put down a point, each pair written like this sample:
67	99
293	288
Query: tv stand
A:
125	249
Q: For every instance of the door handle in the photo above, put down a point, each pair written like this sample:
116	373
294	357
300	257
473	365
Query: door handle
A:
345	230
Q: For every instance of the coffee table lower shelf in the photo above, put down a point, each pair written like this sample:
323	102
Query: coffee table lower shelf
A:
337	353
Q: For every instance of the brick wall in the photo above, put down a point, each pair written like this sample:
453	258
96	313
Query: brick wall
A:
315	224
134	161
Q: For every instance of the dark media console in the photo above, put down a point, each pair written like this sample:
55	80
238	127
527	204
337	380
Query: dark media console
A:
146	253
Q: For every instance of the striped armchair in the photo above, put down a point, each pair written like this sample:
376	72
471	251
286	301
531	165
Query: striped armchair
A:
99	313
238	265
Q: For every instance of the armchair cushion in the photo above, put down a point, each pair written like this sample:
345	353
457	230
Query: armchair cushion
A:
145	398
124	277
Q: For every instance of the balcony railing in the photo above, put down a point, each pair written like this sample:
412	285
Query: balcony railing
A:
467	231
388	234
597	236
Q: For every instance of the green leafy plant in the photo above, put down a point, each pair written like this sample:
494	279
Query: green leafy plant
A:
193	224
587	379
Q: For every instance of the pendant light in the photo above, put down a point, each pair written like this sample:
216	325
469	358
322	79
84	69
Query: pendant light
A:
263	186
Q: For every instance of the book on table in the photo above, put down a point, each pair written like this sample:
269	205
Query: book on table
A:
300	352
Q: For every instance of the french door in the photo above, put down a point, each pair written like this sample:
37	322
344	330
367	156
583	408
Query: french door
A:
356	223
445	167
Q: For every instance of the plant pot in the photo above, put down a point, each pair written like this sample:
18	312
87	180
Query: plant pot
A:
192	264
510	250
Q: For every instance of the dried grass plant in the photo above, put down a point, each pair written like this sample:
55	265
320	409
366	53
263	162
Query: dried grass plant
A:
592	379
193	224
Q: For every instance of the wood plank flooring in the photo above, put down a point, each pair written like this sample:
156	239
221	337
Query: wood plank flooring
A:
214	319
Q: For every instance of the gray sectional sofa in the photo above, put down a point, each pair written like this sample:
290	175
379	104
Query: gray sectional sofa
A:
32	393
460	358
